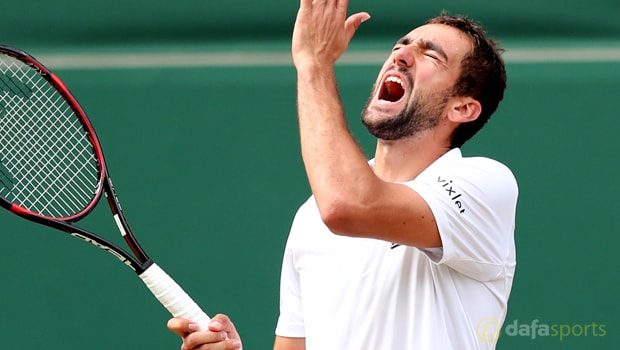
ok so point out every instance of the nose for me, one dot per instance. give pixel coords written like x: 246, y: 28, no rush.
x: 403, y: 57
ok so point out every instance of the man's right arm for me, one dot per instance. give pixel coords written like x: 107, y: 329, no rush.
x: 285, y: 343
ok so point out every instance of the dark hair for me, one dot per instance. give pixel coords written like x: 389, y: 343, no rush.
x: 483, y: 74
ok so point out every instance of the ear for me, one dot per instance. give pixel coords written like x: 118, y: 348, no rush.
x: 463, y: 109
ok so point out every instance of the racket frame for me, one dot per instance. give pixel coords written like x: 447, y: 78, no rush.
x: 138, y: 263
x: 163, y: 287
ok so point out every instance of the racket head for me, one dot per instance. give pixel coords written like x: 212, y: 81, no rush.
x: 51, y: 163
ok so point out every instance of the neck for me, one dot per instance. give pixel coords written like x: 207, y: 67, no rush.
x: 404, y: 159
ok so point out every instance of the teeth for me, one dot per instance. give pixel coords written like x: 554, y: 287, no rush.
x: 395, y: 80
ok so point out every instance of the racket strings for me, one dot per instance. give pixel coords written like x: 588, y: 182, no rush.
x: 48, y: 164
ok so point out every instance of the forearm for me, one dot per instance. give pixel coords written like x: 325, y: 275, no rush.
x: 337, y: 169
x: 335, y: 165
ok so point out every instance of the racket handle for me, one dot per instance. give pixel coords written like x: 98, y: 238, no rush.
x: 173, y: 297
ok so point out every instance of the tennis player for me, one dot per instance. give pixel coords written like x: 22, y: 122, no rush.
x: 413, y: 249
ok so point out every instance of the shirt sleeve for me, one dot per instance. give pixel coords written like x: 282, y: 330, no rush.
x: 474, y: 204
x: 291, y: 321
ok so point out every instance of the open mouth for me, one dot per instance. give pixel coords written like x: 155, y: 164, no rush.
x: 392, y: 90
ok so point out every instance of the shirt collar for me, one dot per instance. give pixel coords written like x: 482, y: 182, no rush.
x: 454, y: 153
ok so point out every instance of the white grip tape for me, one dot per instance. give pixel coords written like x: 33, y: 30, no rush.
x: 173, y: 297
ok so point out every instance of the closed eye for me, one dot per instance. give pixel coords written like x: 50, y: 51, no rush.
x: 433, y: 50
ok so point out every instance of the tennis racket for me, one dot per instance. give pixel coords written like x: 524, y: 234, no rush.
x: 52, y: 170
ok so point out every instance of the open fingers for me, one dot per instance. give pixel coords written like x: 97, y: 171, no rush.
x: 354, y: 22
x: 339, y: 4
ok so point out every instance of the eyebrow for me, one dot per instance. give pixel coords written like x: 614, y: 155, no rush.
x: 425, y: 44
x: 403, y: 41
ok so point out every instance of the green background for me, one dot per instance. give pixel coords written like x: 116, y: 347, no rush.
x: 206, y: 163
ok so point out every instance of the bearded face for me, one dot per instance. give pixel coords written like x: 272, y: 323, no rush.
x: 419, y: 112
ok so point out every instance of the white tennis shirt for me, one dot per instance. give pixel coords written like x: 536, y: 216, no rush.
x: 355, y: 293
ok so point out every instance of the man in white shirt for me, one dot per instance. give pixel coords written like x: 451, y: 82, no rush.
x: 415, y: 249
x: 341, y: 292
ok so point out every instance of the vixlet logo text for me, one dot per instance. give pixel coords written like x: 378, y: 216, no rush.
x: 455, y: 196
